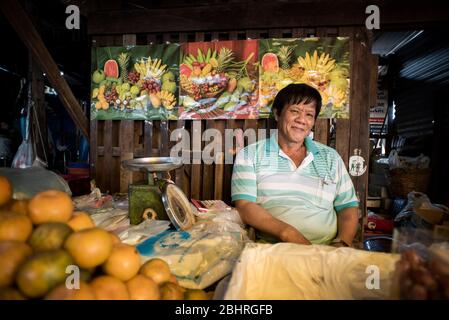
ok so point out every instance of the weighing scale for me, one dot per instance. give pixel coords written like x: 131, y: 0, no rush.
x: 160, y: 197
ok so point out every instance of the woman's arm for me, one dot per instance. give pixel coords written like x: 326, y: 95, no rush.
x: 257, y: 217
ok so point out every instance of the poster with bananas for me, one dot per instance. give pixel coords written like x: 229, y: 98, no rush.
x: 135, y: 83
x: 322, y: 63
x: 219, y: 80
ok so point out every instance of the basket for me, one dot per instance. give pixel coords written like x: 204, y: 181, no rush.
x: 404, y: 181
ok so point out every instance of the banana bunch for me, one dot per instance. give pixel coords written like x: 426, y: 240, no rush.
x: 152, y: 68
x: 323, y: 64
x: 167, y: 98
x: 210, y: 56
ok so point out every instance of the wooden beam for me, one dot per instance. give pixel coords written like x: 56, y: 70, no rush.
x: 20, y: 21
x: 260, y: 14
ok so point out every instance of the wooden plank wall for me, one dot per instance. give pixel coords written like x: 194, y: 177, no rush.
x: 115, y: 141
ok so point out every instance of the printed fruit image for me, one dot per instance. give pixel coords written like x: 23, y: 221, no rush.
x: 168, y: 76
x: 61, y: 292
x: 195, y: 294
x: 123, y: 262
x: 156, y: 269
x: 98, y: 76
x: 42, y: 272
x: 89, y: 247
x: 12, y: 255
x: 270, y: 62
x: 14, y: 226
x: 5, y: 191
x: 19, y: 206
x: 141, y: 287
x: 171, y: 291
x: 111, y: 69
x: 49, y: 236
x: 80, y: 221
x: 109, y: 288
x: 50, y: 206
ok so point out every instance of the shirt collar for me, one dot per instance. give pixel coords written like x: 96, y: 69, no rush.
x: 309, y: 143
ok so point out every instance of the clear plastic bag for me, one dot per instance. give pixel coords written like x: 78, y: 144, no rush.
x: 199, y: 256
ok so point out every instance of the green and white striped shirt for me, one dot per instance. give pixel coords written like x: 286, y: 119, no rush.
x: 307, y: 197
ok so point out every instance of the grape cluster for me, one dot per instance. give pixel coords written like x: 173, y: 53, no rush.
x: 151, y: 85
x: 133, y: 77
x: 111, y: 95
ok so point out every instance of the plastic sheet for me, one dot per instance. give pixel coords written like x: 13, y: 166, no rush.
x: 291, y: 271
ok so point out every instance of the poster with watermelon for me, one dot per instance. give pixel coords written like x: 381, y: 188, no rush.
x: 135, y: 82
x: 322, y: 63
x: 219, y: 80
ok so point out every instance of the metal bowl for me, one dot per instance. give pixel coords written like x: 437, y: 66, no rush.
x: 153, y: 164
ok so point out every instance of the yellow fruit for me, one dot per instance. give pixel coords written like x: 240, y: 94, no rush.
x: 123, y: 262
x: 5, y: 191
x: 115, y: 238
x: 89, y: 247
x: 14, y: 226
x: 61, y: 292
x: 156, y: 269
x: 12, y: 255
x: 7, y: 293
x: 80, y: 221
x: 50, y: 206
x: 171, y: 291
x: 109, y: 288
x: 195, y: 294
x: 42, y: 272
x: 98, y: 105
x: 49, y: 236
x: 155, y: 101
x: 143, y: 288
x: 19, y: 206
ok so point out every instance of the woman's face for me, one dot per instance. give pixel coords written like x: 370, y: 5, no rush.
x: 296, y: 121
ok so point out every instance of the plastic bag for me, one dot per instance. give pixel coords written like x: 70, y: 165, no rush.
x: 27, y: 182
x: 199, y: 256
x: 24, y: 156
x: 398, y: 162
x: 135, y: 234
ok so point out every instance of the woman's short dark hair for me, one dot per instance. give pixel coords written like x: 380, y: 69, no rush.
x: 296, y: 93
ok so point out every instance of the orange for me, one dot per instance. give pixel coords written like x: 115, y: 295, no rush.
x: 89, y: 247
x: 171, y: 291
x: 5, y: 191
x: 143, y: 288
x: 115, y: 238
x: 61, y: 292
x: 80, y: 221
x: 195, y: 294
x: 12, y: 254
x: 157, y: 269
x: 19, y: 206
x: 14, y: 226
x: 50, y: 206
x: 8, y: 293
x: 109, y: 288
x: 123, y: 263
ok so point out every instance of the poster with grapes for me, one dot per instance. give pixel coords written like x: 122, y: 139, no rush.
x: 322, y: 63
x: 134, y: 82
x: 219, y: 80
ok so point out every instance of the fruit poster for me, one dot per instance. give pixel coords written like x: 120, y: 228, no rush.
x: 136, y: 82
x: 219, y: 80
x: 322, y: 63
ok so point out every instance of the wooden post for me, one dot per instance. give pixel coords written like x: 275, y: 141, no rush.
x: 20, y: 21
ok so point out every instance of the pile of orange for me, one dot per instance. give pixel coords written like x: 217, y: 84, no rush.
x: 44, y: 245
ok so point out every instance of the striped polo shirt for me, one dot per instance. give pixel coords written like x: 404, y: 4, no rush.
x: 307, y: 197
